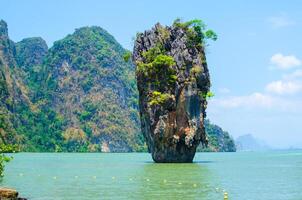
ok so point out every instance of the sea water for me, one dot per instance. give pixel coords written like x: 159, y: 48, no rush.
x: 270, y: 175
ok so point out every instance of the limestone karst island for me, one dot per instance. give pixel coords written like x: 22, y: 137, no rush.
x: 173, y: 83
x: 150, y: 100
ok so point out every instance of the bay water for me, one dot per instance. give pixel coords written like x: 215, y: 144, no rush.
x: 268, y: 175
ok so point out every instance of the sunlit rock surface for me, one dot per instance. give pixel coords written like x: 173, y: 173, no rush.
x: 171, y: 93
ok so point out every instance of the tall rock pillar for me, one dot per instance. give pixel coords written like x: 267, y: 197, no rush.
x: 173, y: 82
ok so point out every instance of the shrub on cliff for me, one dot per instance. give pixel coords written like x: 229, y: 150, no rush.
x: 158, y: 98
x: 197, y: 32
x: 4, y: 158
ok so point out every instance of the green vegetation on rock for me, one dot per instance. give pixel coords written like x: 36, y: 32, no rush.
x: 4, y: 158
x: 127, y: 56
x: 154, y: 65
x: 78, y: 96
x: 157, y: 68
x: 219, y: 140
x: 198, y: 26
x: 157, y: 98
x: 207, y: 95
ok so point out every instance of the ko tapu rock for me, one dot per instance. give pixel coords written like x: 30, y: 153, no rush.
x: 173, y: 82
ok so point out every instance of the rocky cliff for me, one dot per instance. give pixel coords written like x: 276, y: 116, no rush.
x: 94, y: 90
x: 11, y: 89
x: 79, y: 95
x: 173, y: 82
x: 219, y: 140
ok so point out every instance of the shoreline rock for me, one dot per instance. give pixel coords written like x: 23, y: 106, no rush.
x: 9, y: 194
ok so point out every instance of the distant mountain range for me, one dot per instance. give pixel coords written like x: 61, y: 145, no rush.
x: 249, y: 143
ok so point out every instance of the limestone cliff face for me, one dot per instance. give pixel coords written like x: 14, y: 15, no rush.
x: 12, y: 92
x: 31, y: 52
x: 79, y: 95
x: 173, y: 80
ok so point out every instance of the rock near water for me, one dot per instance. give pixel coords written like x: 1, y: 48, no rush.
x: 9, y: 194
x: 173, y: 80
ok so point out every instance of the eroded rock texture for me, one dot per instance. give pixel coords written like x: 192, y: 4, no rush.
x: 173, y: 81
x: 9, y: 194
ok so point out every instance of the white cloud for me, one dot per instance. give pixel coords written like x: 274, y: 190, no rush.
x: 281, y: 21
x: 293, y: 76
x: 285, y: 62
x: 284, y: 87
x: 256, y: 100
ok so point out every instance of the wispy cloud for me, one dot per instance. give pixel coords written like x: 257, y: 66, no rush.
x: 282, y: 87
x: 281, y: 21
x: 257, y: 100
x: 293, y: 76
x: 224, y: 90
x: 285, y: 61
x: 254, y: 100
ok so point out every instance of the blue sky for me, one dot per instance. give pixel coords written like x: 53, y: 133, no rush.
x: 255, y: 65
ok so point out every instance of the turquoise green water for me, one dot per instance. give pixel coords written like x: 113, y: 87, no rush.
x: 275, y: 175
